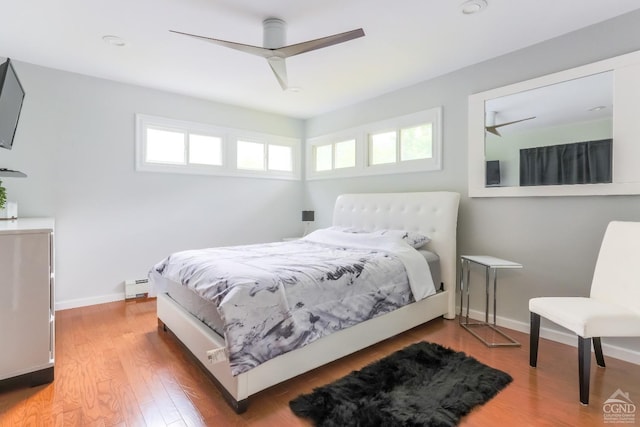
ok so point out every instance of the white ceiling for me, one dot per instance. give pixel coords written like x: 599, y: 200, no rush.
x: 406, y: 42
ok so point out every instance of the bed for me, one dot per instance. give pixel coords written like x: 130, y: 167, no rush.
x: 433, y: 214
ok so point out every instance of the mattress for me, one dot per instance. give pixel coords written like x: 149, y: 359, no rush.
x: 207, y: 312
x: 277, y: 297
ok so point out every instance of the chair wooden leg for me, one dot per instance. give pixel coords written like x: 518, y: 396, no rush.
x: 597, y: 348
x: 534, y: 337
x: 584, y: 367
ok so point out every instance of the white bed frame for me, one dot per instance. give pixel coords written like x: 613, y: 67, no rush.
x: 435, y: 214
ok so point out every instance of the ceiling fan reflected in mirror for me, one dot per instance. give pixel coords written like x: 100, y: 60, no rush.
x: 274, y: 49
x: 491, y: 127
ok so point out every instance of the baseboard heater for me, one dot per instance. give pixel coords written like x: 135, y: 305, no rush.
x: 136, y: 288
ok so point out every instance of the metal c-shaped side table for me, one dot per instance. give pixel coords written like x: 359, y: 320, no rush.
x: 491, y: 265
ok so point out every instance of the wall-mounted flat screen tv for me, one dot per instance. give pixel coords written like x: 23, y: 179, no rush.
x: 493, y: 173
x: 11, y: 97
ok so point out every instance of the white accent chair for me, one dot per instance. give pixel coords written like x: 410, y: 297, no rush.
x: 612, y: 309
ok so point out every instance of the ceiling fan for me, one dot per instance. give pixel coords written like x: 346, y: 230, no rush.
x: 274, y: 49
x: 494, y: 128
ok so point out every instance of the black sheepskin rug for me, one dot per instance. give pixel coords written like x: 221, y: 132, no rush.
x: 424, y: 384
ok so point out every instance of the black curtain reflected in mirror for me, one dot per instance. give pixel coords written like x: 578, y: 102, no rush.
x: 577, y: 163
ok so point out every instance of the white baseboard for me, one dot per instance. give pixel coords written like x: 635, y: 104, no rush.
x: 82, y: 302
x: 609, y: 350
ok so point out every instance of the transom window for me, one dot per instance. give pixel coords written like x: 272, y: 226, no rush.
x: 409, y: 143
x: 166, y: 145
x: 260, y: 156
x: 412, y: 143
x: 250, y: 155
x: 280, y: 158
x: 338, y: 155
x: 382, y: 148
x: 345, y: 154
x: 205, y: 150
x: 175, y: 147
x: 416, y: 142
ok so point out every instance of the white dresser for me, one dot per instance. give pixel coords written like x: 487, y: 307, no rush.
x: 27, y: 321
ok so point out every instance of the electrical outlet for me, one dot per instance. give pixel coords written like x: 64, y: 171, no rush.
x: 217, y: 355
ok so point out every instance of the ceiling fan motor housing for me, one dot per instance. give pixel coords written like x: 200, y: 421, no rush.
x: 274, y: 33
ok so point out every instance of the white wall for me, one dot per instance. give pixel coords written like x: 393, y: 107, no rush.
x: 555, y: 238
x: 75, y: 141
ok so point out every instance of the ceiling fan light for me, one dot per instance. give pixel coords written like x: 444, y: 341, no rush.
x: 471, y: 7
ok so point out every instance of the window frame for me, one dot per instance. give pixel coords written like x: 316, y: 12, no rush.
x: 229, y: 138
x: 361, y: 134
x: 332, y: 144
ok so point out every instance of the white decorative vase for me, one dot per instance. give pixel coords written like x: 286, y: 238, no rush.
x: 10, y: 211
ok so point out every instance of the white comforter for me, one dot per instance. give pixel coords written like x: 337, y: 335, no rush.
x: 418, y: 273
x: 276, y: 297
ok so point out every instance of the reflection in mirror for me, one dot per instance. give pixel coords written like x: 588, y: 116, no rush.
x: 552, y: 135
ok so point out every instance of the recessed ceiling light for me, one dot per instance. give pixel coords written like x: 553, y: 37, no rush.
x: 114, y: 41
x: 598, y: 108
x: 470, y: 7
x: 294, y: 89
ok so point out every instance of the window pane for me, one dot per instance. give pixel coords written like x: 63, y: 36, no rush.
x: 205, y: 150
x: 345, y: 154
x: 280, y: 158
x: 250, y: 155
x: 323, y: 157
x: 165, y: 146
x: 416, y: 142
x: 382, y: 148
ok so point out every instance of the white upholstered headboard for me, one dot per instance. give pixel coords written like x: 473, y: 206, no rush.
x: 434, y: 214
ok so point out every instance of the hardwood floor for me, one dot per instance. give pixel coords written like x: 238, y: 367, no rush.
x: 115, y: 368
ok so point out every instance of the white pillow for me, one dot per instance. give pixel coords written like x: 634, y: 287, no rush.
x: 413, y: 238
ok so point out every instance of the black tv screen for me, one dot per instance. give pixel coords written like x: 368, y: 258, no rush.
x: 492, y: 173
x: 11, y: 97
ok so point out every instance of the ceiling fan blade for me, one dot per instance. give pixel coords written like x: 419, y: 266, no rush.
x: 298, y: 48
x: 515, y: 121
x: 279, y: 68
x: 247, y: 48
x: 493, y: 130
x: 275, y: 56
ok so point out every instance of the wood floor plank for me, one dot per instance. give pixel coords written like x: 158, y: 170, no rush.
x: 190, y: 414
x: 152, y: 416
x: 109, y: 402
x: 13, y: 407
x: 126, y: 354
x: 115, y: 368
x: 129, y: 407
x: 43, y: 408
x: 91, y: 412
x: 73, y: 418
x: 67, y: 380
x: 165, y: 405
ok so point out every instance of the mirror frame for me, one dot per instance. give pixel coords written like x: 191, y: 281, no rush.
x: 626, y: 132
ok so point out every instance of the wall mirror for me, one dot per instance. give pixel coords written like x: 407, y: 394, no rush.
x: 568, y: 133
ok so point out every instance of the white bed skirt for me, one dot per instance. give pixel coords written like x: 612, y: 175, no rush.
x: 200, y: 339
